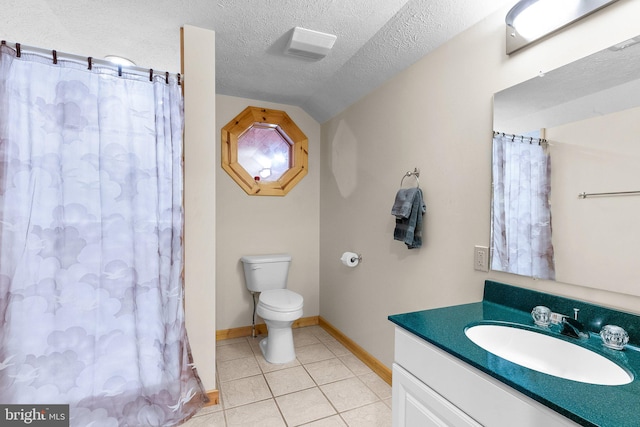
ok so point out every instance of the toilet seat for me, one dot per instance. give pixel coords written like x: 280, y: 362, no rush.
x: 281, y: 300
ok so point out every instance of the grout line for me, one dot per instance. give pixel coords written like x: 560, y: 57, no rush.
x: 304, y: 366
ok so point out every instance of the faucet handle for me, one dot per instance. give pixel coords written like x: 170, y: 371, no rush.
x: 541, y: 315
x: 575, y: 313
x: 614, y: 337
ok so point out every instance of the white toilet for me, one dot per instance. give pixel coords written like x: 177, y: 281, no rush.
x: 278, y: 306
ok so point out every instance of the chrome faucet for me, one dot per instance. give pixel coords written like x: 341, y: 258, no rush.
x: 573, y: 328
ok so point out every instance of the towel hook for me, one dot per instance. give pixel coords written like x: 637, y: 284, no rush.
x: 415, y: 173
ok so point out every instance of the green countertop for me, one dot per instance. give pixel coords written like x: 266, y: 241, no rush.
x: 586, y: 404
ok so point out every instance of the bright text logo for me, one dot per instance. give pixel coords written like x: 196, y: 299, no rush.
x: 34, y: 415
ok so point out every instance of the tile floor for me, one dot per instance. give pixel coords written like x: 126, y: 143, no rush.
x: 325, y: 386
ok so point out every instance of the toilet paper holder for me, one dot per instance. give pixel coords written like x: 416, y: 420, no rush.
x: 351, y: 259
x: 358, y: 257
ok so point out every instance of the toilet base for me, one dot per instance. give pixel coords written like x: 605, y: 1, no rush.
x: 278, y: 347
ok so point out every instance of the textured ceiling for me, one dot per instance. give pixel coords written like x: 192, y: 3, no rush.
x: 376, y: 39
x: 599, y: 84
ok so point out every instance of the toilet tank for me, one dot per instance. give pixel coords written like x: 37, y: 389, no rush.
x: 266, y: 272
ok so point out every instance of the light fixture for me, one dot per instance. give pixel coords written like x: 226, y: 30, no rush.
x: 310, y: 44
x: 530, y: 20
x: 119, y: 60
x: 543, y: 16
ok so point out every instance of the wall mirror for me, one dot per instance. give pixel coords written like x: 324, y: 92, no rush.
x: 589, y: 112
x: 264, y: 151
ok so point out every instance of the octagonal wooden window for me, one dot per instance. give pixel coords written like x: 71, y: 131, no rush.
x: 264, y: 151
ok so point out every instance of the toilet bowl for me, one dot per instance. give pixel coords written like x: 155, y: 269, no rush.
x: 277, y: 306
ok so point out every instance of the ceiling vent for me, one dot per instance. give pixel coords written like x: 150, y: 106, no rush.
x: 310, y: 44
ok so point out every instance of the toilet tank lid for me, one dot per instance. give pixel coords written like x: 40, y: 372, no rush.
x: 259, y: 259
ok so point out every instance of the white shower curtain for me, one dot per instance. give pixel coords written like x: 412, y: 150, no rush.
x: 91, y: 306
x: 521, y: 215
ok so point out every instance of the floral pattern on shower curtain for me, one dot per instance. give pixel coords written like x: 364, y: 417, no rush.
x: 521, y: 214
x: 91, y: 293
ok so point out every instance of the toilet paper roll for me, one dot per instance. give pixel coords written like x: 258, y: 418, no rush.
x: 350, y: 259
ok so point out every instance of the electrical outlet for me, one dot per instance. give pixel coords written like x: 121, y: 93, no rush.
x: 481, y: 258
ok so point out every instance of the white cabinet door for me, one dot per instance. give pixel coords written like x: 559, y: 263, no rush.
x: 416, y: 405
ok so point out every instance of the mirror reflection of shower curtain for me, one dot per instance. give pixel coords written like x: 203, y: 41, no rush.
x: 521, y: 215
x: 91, y: 295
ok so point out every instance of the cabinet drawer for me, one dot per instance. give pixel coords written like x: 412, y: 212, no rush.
x: 417, y: 405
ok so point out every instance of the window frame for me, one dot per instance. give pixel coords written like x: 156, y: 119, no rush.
x: 249, y: 117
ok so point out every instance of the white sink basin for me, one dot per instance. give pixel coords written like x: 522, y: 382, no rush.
x: 547, y: 354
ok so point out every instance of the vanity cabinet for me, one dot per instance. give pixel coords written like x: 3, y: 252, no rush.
x: 433, y: 388
x: 416, y: 404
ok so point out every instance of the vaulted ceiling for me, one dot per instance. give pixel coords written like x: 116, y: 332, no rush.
x: 376, y: 39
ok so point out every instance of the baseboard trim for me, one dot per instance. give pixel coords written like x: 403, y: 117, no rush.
x: 261, y: 328
x: 376, y: 366
x: 244, y: 331
x: 214, y: 397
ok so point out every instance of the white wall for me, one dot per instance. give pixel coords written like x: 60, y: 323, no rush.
x: 199, y: 206
x: 249, y: 225
x: 436, y: 116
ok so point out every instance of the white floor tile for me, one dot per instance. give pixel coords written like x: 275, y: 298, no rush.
x: 263, y: 414
x: 328, y: 371
x: 233, y: 351
x: 377, y: 385
x: 319, y: 332
x: 326, y: 386
x: 289, y: 380
x: 302, y: 337
x: 254, y: 343
x: 375, y: 415
x: 304, y: 406
x: 244, y: 391
x: 238, y: 368
x: 334, y: 421
x: 313, y: 353
x: 336, y: 348
x: 215, y: 419
x: 388, y: 402
x: 348, y: 394
x: 231, y: 341
x: 356, y: 365
x: 271, y: 367
x: 208, y: 410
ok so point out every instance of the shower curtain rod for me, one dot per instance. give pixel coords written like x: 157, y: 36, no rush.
x: 55, y: 56
x: 612, y: 193
x: 523, y: 138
